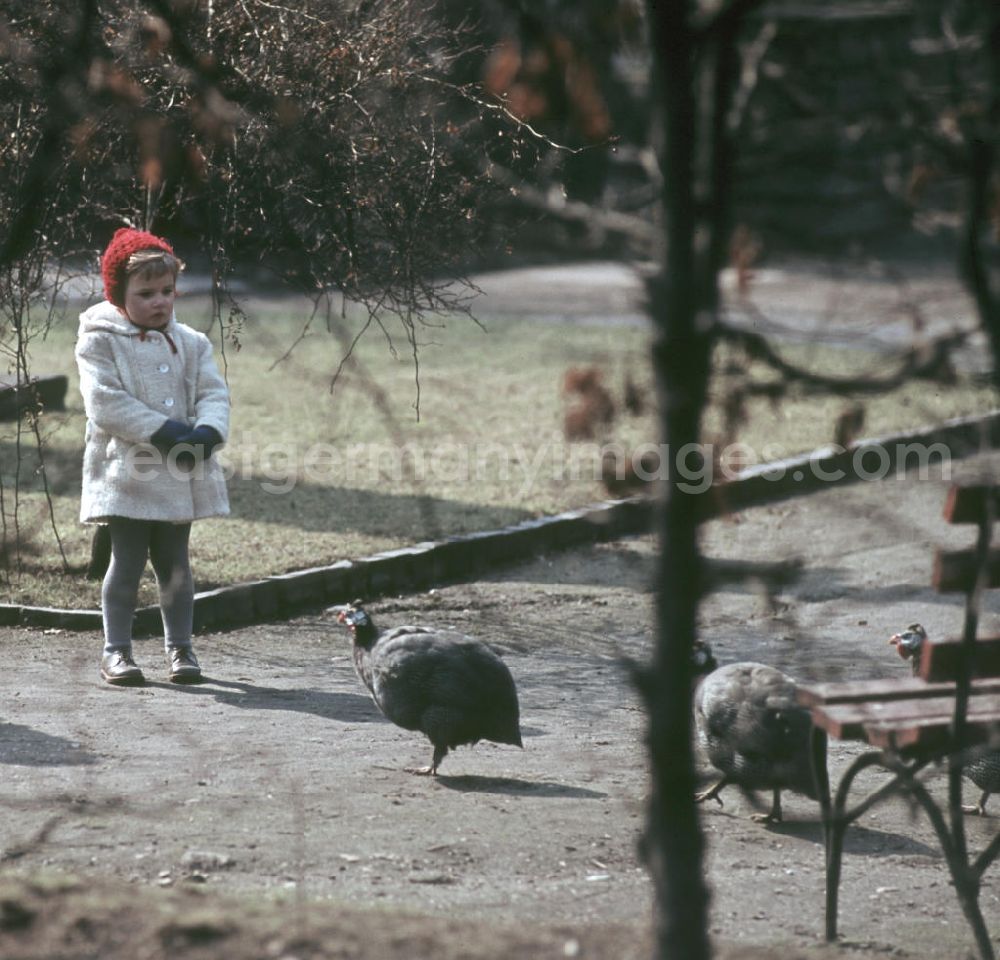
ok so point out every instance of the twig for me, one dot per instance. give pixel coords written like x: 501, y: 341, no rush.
x: 35, y: 843
x: 923, y: 361
x: 639, y: 230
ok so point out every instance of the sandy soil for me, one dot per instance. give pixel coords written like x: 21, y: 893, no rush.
x: 266, y: 812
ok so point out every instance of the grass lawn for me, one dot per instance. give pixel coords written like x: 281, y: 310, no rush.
x: 319, y: 475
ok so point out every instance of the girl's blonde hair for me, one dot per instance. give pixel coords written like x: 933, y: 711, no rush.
x: 147, y: 264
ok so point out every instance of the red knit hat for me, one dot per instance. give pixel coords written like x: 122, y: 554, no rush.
x: 124, y: 243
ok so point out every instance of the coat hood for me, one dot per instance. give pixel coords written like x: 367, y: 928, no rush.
x: 105, y: 316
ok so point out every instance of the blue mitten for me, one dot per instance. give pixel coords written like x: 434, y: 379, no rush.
x: 169, y: 434
x: 202, y: 441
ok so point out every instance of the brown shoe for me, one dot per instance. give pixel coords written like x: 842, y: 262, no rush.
x: 119, y: 668
x: 183, y: 665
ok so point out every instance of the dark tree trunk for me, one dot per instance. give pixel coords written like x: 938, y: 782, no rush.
x: 695, y: 74
x: 674, y: 843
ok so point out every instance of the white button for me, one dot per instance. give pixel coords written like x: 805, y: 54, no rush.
x: 164, y: 368
x: 169, y: 402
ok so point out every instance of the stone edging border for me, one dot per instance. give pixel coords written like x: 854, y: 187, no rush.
x: 465, y: 556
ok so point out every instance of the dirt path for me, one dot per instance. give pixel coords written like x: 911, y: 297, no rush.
x: 279, y: 784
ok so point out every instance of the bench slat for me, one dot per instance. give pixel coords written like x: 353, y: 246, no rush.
x: 905, y: 688
x: 49, y: 391
x: 955, y: 570
x: 848, y: 721
x: 966, y: 504
x: 927, y: 734
x: 939, y: 659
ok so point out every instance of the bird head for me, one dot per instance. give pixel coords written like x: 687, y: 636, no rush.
x: 909, y: 642
x: 357, y: 622
x: 702, y: 659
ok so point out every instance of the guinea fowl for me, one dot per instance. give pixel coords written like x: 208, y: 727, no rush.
x: 752, y: 730
x: 450, y: 687
x: 983, y: 770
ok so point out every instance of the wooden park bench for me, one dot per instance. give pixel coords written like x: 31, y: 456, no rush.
x: 48, y: 391
x: 950, y: 709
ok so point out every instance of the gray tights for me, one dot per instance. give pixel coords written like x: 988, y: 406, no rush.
x: 166, y: 545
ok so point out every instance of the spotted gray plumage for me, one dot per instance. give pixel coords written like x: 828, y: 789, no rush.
x: 983, y: 769
x: 984, y: 772
x: 753, y: 732
x: 450, y: 687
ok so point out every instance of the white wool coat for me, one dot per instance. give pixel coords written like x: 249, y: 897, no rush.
x: 132, y: 383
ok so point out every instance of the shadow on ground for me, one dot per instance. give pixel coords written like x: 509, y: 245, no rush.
x: 343, y: 707
x: 25, y: 746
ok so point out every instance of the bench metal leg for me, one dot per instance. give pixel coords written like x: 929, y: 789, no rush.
x: 821, y: 779
x: 964, y: 878
x: 836, y: 821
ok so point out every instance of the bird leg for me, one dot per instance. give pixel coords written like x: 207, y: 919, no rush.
x: 979, y: 809
x: 774, y: 816
x: 439, y: 755
x: 712, y: 793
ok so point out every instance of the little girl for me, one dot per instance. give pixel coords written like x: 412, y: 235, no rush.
x: 157, y: 408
